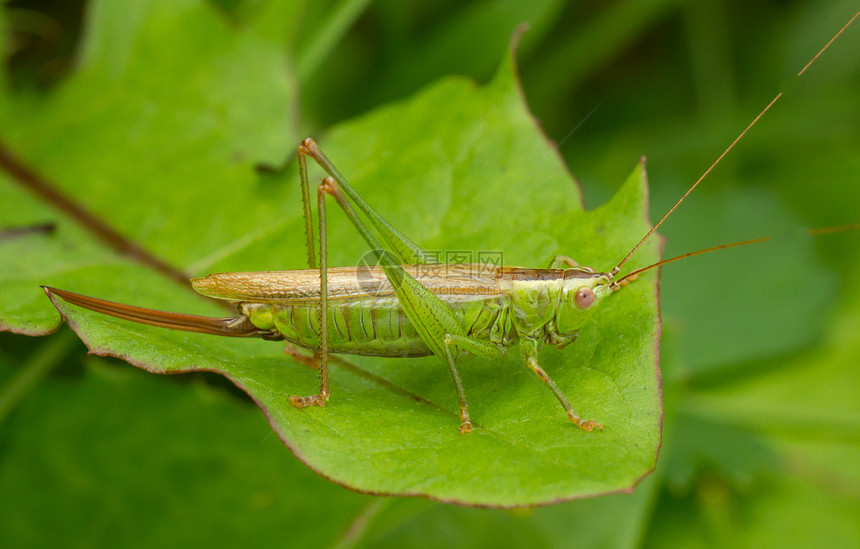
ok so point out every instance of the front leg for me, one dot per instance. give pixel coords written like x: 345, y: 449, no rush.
x: 562, y: 262
x: 565, y: 262
x: 529, y: 348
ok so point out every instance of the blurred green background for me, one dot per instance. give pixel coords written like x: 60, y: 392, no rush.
x: 760, y: 349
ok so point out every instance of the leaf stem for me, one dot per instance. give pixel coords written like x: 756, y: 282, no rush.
x: 359, y: 526
x: 342, y: 17
x: 40, y: 363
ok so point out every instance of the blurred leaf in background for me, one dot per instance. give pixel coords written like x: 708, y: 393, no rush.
x: 759, y: 355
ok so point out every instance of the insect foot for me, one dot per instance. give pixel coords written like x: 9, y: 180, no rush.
x: 304, y: 402
x: 585, y: 425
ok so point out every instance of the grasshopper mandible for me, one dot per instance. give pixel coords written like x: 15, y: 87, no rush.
x: 405, y: 305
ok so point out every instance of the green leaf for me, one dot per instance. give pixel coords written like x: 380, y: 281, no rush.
x: 783, y: 512
x: 456, y: 168
x: 612, y: 521
x: 767, y: 454
x: 760, y: 383
x: 432, y: 40
x: 150, y: 155
x: 140, y: 479
x: 726, y: 285
x: 805, y: 407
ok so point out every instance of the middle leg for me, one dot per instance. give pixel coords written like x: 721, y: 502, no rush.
x: 483, y: 349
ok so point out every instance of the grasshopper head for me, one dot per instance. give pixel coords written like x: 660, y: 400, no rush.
x: 582, y: 291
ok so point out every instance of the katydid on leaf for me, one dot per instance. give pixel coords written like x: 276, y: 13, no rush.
x: 406, y: 304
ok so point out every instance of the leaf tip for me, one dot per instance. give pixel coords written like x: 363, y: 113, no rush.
x: 506, y: 75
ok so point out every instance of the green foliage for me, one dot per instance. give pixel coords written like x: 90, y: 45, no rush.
x: 165, y: 98
x: 464, y: 149
x: 135, y: 475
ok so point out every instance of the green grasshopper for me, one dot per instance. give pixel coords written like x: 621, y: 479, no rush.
x: 405, y: 305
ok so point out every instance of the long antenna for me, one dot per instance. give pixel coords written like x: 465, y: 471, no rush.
x: 814, y: 232
x: 617, y: 268
x: 632, y: 275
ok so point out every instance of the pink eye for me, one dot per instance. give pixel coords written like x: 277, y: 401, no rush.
x: 584, y: 298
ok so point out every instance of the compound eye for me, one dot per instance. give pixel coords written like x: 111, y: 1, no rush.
x: 584, y: 298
